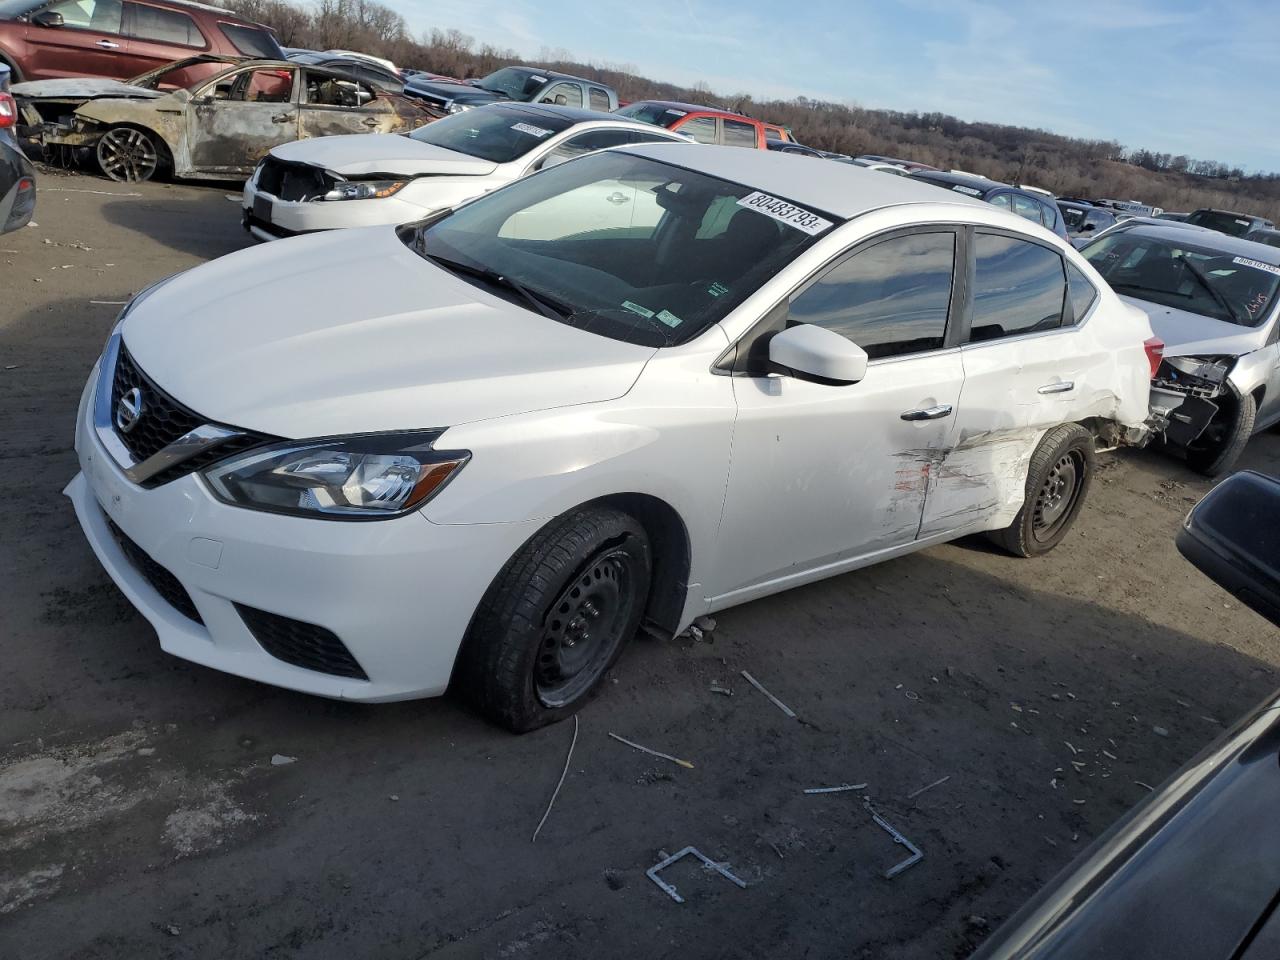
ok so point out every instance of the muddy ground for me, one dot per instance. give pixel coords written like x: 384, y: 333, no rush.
x: 141, y: 814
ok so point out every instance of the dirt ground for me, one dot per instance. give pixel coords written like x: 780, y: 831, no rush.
x: 141, y: 814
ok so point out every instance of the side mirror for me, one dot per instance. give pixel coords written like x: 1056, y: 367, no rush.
x: 816, y: 353
x: 1231, y: 537
x: 48, y: 18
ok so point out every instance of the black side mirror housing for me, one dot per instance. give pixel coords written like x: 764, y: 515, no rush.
x: 48, y: 18
x: 1232, y: 536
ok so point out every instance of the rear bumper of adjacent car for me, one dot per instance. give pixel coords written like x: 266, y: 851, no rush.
x: 369, y: 611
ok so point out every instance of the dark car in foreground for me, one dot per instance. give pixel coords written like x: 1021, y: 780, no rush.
x: 1192, y: 872
x: 1268, y: 235
x: 17, y: 178
x: 1038, y: 208
x: 523, y: 84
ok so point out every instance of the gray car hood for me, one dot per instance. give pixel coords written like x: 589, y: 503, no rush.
x: 81, y: 88
x: 366, y: 154
x: 1192, y: 334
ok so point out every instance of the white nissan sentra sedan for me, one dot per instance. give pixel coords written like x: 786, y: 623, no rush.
x: 362, y: 180
x: 490, y: 446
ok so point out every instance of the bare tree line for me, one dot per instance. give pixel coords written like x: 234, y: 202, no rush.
x: 1068, y: 166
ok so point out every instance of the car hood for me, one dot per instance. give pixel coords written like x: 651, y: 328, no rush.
x: 365, y: 154
x: 349, y: 331
x: 445, y: 91
x: 81, y: 88
x: 1193, y: 334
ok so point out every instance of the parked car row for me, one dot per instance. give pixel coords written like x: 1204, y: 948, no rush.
x: 17, y: 178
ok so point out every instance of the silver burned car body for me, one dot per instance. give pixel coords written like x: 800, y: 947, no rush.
x: 1215, y: 302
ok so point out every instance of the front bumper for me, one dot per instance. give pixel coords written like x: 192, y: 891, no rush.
x: 269, y: 218
x: 398, y: 593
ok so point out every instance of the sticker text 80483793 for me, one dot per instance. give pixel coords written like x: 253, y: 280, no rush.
x: 784, y: 212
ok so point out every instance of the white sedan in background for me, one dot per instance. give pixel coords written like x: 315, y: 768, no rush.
x: 490, y: 446
x: 327, y: 183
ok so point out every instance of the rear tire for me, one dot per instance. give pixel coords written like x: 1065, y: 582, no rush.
x: 1216, y: 450
x: 1057, y: 484
x: 556, y: 619
x: 15, y: 75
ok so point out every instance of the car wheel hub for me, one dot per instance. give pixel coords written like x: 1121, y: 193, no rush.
x: 1057, y: 495
x: 582, y: 631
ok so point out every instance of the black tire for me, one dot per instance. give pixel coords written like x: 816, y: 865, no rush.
x: 15, y: 75
x: 1057, y: 484
x: 556, y: 619
x: 1216, y: 450
x: 130, y: 154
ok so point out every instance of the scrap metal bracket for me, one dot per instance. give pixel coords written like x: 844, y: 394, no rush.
x: 916, y: 853
x: 670, y: 889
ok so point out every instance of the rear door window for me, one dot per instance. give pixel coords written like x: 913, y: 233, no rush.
x: 1019, y: 287
x: 1000, y: 200
x: 599, y: 99
x: 160, y: 25
x: 1026, y: 208
x: 739, y: 134
x: 702, y: 129
x: 890, y: 299
x: 1047, y: 216
x: 1081, y: 292
x: 774, y: 133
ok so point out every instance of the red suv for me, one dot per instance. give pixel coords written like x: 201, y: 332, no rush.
x: 40, y: 40
x: 706, y: 124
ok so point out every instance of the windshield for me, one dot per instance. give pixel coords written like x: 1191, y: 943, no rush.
x: 624, y: 246
x: 494, y: 133
x: 1233, y: 225
x: 514, y: 83
x: 1188, y: 277
x: 655, y: 113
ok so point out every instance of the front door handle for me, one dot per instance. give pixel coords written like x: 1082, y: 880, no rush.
x: 108, y: 45
x: 617, y: 197
x: 1062, y: 386
x: 282, y: 118
x: 929, y: 413
x: 371, y: 121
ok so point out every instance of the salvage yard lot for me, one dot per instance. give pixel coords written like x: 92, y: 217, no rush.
x: 141, y: 812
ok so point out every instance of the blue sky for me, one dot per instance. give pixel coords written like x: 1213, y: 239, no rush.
x: 1185, y: 77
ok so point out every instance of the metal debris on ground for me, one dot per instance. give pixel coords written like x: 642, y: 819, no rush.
x: 776, y: 702
x: 670, y: 888
x: 109, y: 303
x: 936, y: 783
x: 1144, y: 786
x: 563, y: 773
x: 280, y: 760
x: 705, y: 623
x: 653, y: 753
x: 1073, y: 750
x: 1160, y: 731
x: 716, y: 688
x: 840, y: 789
x: 916, y: 853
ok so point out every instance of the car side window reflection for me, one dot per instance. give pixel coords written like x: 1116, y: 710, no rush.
x: 702, y: 129
x: 1019, y: 287
x: 891, y: 298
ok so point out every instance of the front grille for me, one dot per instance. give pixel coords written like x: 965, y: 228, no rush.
x: 162, y: 581
x: 301, y: 644
x: 293, y: 181
x: 163, y: 419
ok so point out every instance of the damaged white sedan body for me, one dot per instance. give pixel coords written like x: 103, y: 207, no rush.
x: 1213, y: 300
x: 520, y: 436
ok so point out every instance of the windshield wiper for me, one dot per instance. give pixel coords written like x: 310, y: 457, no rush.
x: 546, y: 305
x: 1218, y: 297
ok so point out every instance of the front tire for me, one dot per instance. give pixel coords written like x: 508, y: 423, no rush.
x: 556, y: 619
x: 1057, y: 484
x: 128, y: 155
x: 1216, y: 450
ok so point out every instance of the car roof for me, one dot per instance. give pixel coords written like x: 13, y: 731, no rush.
x: 555, y: 74
x: 699, y: 108
x: 841, y: 189
x: 572, y: 114
x: 962, y: 180
x: 1173, y: 231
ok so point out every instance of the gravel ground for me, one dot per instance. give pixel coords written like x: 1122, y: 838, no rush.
x: 142, y: 813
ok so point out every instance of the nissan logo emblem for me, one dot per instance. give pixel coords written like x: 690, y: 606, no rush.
x: 129, y: 410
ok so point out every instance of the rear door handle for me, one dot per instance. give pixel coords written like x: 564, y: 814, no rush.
x: 370, y: 121
x: 1063, y: 386
x: 929, y: 413
x: 282, y: 118
x: 108, y: 45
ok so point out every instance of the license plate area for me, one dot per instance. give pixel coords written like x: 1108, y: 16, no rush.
x: 262, y: 209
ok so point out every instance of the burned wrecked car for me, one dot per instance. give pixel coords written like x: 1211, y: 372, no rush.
x: 1213, y: 300
x: 205, y: 117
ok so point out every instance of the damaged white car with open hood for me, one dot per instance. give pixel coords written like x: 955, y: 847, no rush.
x: 490, y: 447
x: 1212, y: 299
x: 360, y: 181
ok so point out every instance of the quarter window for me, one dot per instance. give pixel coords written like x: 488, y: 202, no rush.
x: 1048, y: 217
x: 702, y: 129
x: 1081, y: 291
x: 890, y: 299
x: 586, y: 143
x: 599, y: 99
x: 1019, y: 287
x: 1026, y: 208
x: 102, y: 16
x: 164, y: 26
x: 1000, y: 200
x: 564, y: 95
x: 739, y: 134
x: 773, y: 133
x: 252, y: 42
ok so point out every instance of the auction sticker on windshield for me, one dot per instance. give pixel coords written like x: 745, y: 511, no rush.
x: 530, y: 129
x: 1257, y: 265
x: 785, y: 212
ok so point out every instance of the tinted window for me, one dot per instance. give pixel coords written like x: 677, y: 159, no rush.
x: 1081, y: 291
x: 773, y: 133
x: 1018, y: 287
x: 164, y: 26
x: 1000, y: 200
x: 1047, y: 216
x: 252, y: 42
x: 889, y: 299
x: 586, y: 143
x: 495, y: 133
x: 563, y: 95
x: 599, y: 99
x: 1026, y: 208
x: 655, y: 113
x: 702, y: 129
x: 1228, y: 223
x: 738, y: 134
x: 100, y: 15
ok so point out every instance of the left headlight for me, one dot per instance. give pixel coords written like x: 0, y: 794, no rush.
x: 366, y: 477
x: 366, y: 189
x: 455, y: 107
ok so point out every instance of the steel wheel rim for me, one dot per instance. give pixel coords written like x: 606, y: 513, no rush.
x: 127, y: 155
x: 583, y: 629
x: 1056, y: 499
